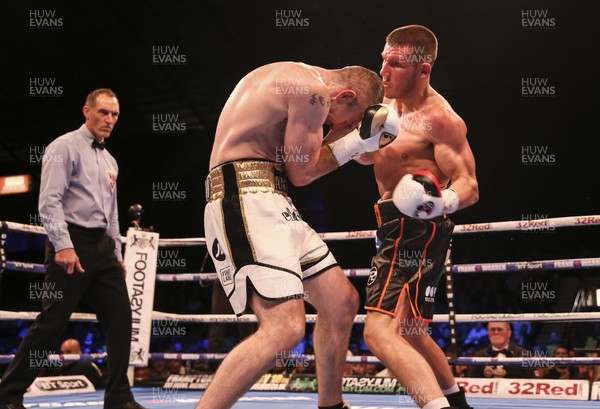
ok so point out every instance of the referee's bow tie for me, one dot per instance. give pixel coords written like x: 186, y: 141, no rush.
x: 98, y: 145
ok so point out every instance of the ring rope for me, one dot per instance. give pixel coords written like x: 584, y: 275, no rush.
x: 312, y: 318
x: 369, y: 359
x: 561, y: 264
x: 533, y: 361
x: 520, y: 225
x: 40, y: 268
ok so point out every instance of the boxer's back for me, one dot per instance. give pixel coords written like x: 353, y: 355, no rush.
x: 252, y: 123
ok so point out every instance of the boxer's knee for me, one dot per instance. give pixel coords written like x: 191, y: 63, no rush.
x: 416, y: 332
x: 284, y: 324
x: 374, y: 333
x: 348, y: 307
x: 344, y: 307
x: 290, y: 334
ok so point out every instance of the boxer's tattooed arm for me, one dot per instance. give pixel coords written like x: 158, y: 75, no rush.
x: 321, y: 100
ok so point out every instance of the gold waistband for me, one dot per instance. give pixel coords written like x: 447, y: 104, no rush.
x: 251, y: 176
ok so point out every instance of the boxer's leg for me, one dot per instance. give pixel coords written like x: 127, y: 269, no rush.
x: 412, y: 370
x: 336, y: 301
x: 219, y: 305
x: 281, y: 328
x: 415, y: 332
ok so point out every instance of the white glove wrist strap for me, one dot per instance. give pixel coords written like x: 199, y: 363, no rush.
x: 347, y: 148
x: 450, y: 199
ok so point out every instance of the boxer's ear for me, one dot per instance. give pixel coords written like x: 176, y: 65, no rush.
x: 346, y: 96
x: 424, y: 70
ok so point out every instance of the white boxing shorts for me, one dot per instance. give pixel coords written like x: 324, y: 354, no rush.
x: 256, y: 237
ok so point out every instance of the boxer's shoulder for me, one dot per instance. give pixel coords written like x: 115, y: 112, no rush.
x: 444, y: 124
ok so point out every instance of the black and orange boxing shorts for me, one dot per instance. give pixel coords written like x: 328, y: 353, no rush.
x: 411, y: 254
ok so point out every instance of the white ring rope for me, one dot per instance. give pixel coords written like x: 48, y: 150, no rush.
x: 541, y: 265
x: 26, y: 228
x: 520, y: 225
x: 532, y: 361
x: 175, y: 319
x: 354, y: 272
x: 529, y: 361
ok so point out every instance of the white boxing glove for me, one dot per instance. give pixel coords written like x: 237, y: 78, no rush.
x: 419, y: 196
x: 379, y: 127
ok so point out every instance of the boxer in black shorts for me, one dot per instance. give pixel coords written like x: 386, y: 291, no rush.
x: 411, y: 253
x: 413, y: 175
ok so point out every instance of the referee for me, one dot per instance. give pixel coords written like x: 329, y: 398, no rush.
x: 78, y: 206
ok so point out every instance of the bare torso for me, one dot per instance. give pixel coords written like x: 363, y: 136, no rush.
x: 413, y: 149
x: 254, y: 118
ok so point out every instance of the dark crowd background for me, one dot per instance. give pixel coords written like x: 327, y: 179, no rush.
x: 487, y: 54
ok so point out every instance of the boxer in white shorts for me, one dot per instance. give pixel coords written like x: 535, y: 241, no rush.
x: 267, y: 258
x: 259, y: 240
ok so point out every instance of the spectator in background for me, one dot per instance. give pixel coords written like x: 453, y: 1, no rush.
x: 560, y: 371
x: 589, y: 372
x: 553, y: 343
x: 176, y: 367
x: 88, y: 342
x: 500, y: 346
x: 522, y: 333
x: 141, y: 374
x: 593, y: 340
x: 459, y: 371
x: 366, y: 369
x: 88, y: 369
x: 348, y: 368
x: 159, y: 370
x: 361, y: 369
x: 303, y: 367
x: 441, y: 343
x: 476, y: 335
x: 441, y: 335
